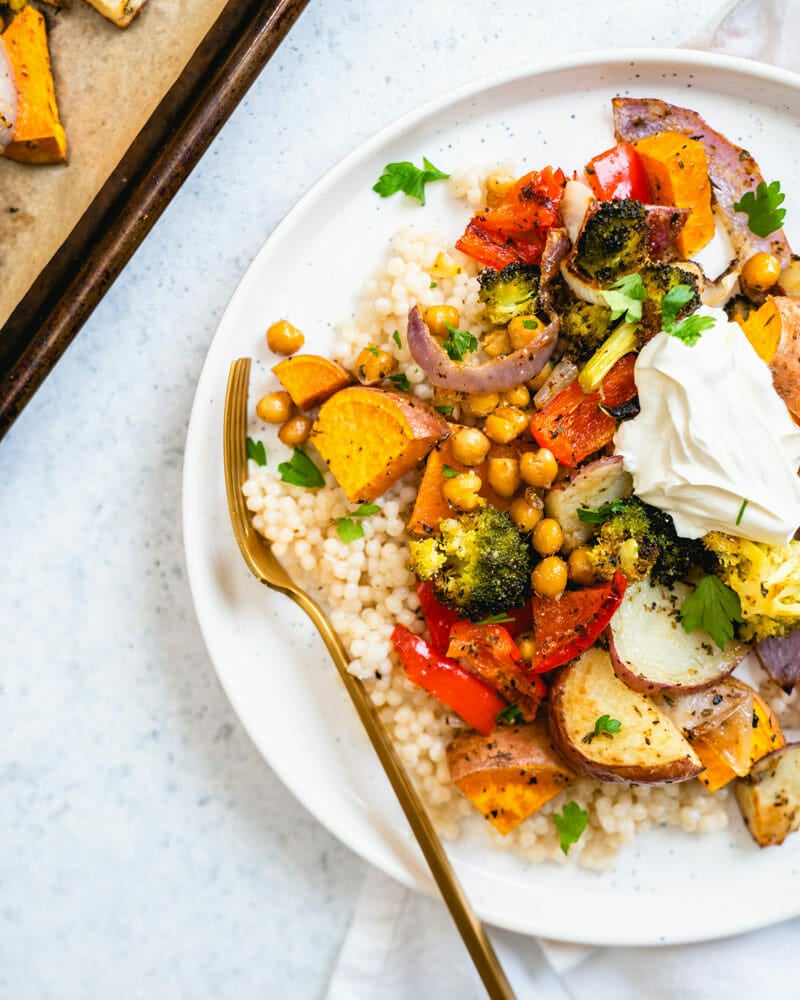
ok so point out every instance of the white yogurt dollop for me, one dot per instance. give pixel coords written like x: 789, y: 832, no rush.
x: 713, y: 433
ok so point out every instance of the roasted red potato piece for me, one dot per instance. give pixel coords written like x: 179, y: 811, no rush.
x: 510, y: 775
x: 647, y: 748
x: 769, y: 797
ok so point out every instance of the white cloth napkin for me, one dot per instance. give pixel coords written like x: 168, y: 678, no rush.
x: 403, y: 946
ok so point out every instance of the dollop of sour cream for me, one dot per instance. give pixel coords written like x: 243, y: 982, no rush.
x: 713, y: 444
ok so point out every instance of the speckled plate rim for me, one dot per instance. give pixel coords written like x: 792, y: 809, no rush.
x: 357, y: 807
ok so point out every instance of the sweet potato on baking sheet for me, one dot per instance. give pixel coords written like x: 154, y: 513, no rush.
x: 39, y: 136
x: 510, y: 774
x: 371, y: 437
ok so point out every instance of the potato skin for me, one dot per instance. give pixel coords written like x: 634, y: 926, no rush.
x: 649, y: 750
x: 785, y: 363
x: 769, y: 797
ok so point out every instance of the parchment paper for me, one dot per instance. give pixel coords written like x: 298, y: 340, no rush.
x: 108, y: 82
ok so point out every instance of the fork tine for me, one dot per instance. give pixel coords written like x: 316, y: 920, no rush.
x: 235, y: 440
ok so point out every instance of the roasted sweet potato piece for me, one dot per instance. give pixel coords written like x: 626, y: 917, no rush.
x: 647, y: 749
x: 310, y: 379
x: 38, y: 134
x: 430, y: 506
x: 509, y: 775
x: 774, y: 331
x: 677, y: 170
x: 371, y: 437
x: 769, y: 797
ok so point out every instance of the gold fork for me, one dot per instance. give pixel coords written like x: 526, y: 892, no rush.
x: 267, y: 569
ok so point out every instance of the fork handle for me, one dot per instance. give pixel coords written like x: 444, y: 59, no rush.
x: 469, y: 926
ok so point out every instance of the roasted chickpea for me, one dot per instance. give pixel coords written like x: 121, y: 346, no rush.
x: 480, y: 404
x: 518, y: 396
x: 496, y: 342
x: 503, y: 476
x: 522, y: 330
x: 524, y: 513
x: 526, y: 644
x: 373, y: 365
x: 580, y: 568
x: 761, y: 272
x: 437, y: 317
x: 548, y: 536
x: 539, y: 380
x: 538, y: 468
x: 283, y: 338
x: 497, y: 187
x: 461, y: 491
x: 275, y: 407
x: 549, y: 577
x: 470, y: 446
x: 295, y: 431
x: 505, y: 424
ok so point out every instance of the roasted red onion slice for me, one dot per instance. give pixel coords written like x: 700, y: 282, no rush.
x: 496, y: 375
x: 8, y: 98
x: 732, y: 170
x: 556, y: 248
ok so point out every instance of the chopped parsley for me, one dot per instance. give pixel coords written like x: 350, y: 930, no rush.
x: 689, y: 330
x: 301, y: 471
x: 511, y: 714
x: 605, y: 724
x: 712, y: 606
x: 672, y: 302
x: 497, y: 619
x: 433, y: 285
x: 350, y: 530
x: 256, y: 451
x: 570, y: 823
x: 531, y: 324
x: 764, y: 215
x: 373, y: 350
x: 405, y: 177
x: 601, y: 514
x: 459, y: 343
x: 449, y: 472
x: 625, y: 298
x: 396, y: 339
x: 400, y: 381
x: 446, y: 410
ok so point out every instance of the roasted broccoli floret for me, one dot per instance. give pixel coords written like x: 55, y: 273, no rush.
x: 613, y: 241
x: 640, y: 541
x: 510, y: 292
x: 766, y: 578
x: 585, y: 325
x: 479, y: 563
x: 658, y: 280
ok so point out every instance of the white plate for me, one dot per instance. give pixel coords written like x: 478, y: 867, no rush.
x: 670, y: 887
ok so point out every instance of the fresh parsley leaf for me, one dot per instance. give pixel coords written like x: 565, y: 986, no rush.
x: 764, y: 215
x: 742, y: 509
x: 712, y: 606
x: 433, y: 285
x: 449, y: 472
x: 672, y: 302
x: 301, y: 471
x: 400, y: 381
x: 605, y: 724
x: 531, y: 324
x: 446, y: 410
x: 256, y: 451
x: 348, y: 529
x: 690, y: 329
x: 511, y: 714
x: 396, y: 339
x: 602, y: 513
x: 366, y: 510
x: 405, y: 177
x: 570, y: 823
x: 497, y: 619
x: 373, y: 350
x: 459, y: 343
x: 625, y: 297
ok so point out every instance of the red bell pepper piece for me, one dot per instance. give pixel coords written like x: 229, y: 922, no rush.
x: 565, y: 627
x: 618, y: 173
x: 619, y: 385
x: 573, y: 425
x: 491, y: 653
x: 463, y: 692
x: 438, y: 618
x: 516, y: 229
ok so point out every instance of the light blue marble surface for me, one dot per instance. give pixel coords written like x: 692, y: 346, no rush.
x: 146, y: 850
